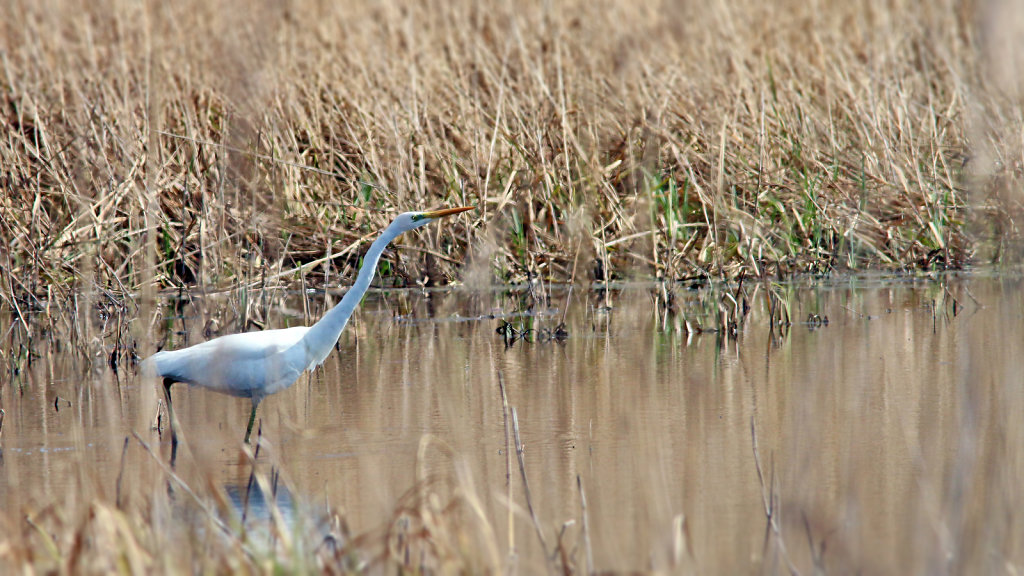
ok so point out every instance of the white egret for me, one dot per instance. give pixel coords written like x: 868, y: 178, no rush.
x: 257, y: 364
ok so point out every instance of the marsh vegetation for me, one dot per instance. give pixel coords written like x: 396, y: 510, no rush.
x: 153, y: 145
x: 170, y: 172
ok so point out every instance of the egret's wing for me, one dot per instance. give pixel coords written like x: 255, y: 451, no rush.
x: 238, y: 364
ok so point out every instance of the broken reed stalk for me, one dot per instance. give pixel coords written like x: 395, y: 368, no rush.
x: 680, y: 539
x: 120, y: 475
x: 12, y: 299
x: 508, y: 464
x: 771, y: 502
x: 765, y: 497
x: 562, y: 551
x: 526, y: 483
x: 586, y: 527
x: 572, y: 282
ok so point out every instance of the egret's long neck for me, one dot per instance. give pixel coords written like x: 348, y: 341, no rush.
x: 324, y: 334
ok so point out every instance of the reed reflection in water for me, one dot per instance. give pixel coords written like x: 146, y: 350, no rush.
x: 888, y: 439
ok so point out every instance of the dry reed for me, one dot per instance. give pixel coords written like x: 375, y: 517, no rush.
x: 189, y: 144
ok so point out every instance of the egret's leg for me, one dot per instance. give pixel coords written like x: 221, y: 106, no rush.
x: 170, y: 418
x: 252, y: 418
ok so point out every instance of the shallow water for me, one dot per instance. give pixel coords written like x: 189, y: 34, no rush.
x: 889, y: 439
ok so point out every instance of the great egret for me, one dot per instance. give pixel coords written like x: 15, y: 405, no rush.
x: 257, y: 364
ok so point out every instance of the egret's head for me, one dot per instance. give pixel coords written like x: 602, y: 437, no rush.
x: 411, y: 220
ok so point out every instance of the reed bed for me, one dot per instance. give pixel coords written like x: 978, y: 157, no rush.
x: 183, y: 145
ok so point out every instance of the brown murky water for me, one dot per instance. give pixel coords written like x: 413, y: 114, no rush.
x: 889, y: 440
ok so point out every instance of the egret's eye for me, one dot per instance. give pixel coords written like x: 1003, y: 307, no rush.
x: 417, y: 217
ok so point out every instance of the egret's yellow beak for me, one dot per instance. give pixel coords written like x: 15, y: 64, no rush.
x: 447, y: 211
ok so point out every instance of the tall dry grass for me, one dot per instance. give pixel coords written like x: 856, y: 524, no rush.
x: 190, y: 143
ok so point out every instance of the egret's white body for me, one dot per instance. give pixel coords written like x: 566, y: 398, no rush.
x: 257, y: 364
x: 248, y: 365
